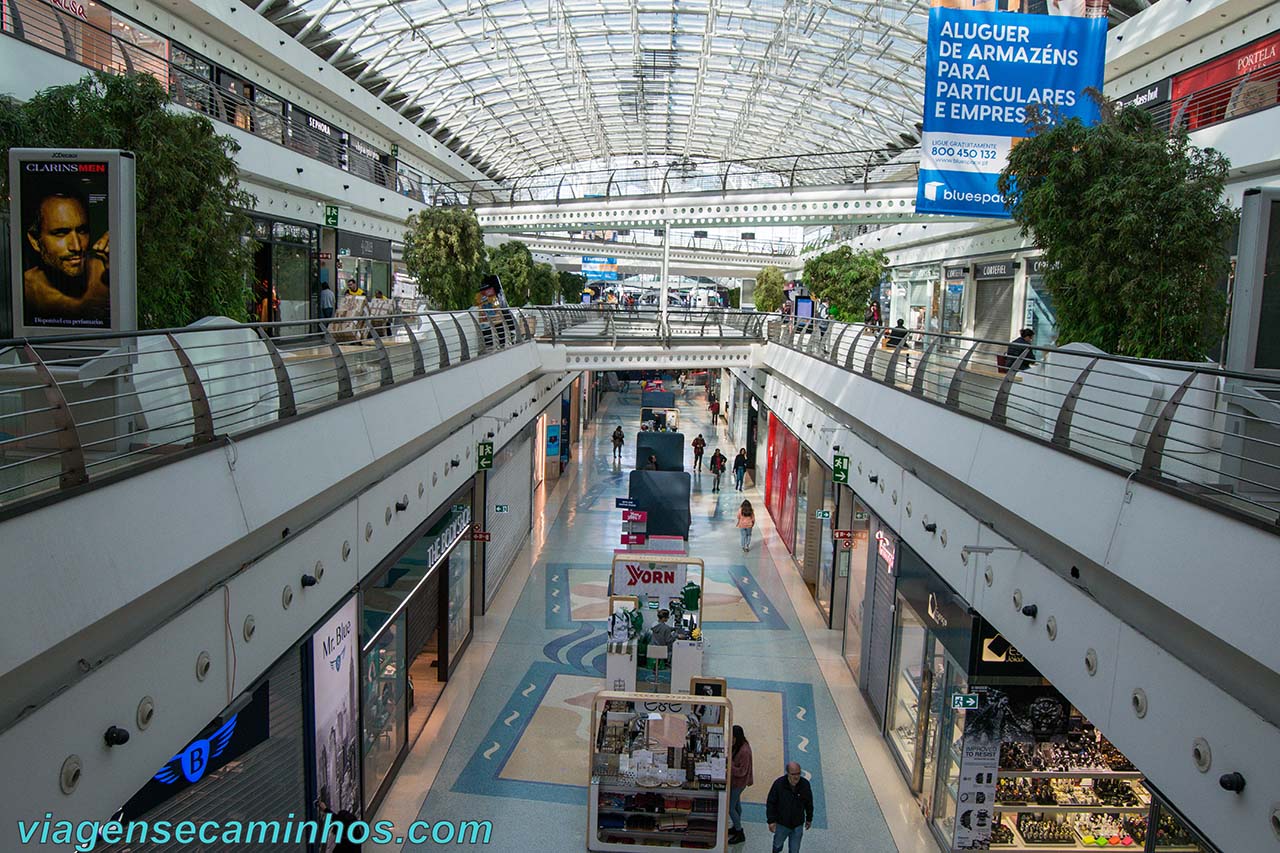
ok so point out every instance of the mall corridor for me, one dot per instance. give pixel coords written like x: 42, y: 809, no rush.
x: 508, y: 743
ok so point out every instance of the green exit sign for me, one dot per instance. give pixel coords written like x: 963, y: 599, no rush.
x: 502, y: 508
x: 840, y: 469
x: 484, y: 455
x: 822, y: 513
x: 964, y: 701
x: 331, y: 215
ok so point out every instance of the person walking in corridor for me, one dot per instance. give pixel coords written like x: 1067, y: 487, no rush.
x: 739, y: 468
x: 716, y: 465
x: 746, y: 521
x: 740, y: 779
x: 789, y: 809
x: 617, y: 443
x: 699, y: 445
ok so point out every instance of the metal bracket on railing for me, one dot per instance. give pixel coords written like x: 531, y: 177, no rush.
x: 340, y: 366
x: 284, y: 387
x: 462, y: 338
x: 201, y: 416
x: 871, y: 354
x: 419, y: 363
x: 1155, y: 441
x: 853, y: 349
x: 835, y: 350
x: 1062, y: 426
x: 480, y: 331
x: 441, y: 344
x: 72, y: 453
x: 953, y: 390
x: 892, y: 369
x: 999, y: 409
x: 384, y: 357
x: 917, y: 381
x: 548, y: 323
x: 514, y: 325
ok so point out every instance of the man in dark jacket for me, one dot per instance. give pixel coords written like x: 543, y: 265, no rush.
x: 1021, y: 346
x: 789, y: 809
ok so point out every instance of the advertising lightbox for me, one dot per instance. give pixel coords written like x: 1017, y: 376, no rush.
x: 72, y: 229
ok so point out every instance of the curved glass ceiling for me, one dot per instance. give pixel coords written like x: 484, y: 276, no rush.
x: 519, y: 86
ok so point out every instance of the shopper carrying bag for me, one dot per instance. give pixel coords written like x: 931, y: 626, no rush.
x: 740, y: 779
x: 746, y: 521
x: 717, y: 468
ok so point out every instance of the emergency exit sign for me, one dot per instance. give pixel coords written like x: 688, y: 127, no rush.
x: 840, y: 469
x: 484, y: 455
x: 331, y: 215
x: 822, y: 513
x: 964, y: 701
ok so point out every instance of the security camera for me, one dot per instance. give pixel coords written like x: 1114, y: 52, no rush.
x: 115, y: 736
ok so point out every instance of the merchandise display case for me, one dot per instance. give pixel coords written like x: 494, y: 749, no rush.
x: 1079, y: 795
x: 659, y: 772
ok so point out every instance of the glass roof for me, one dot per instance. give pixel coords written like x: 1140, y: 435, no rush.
x: 521, y: 86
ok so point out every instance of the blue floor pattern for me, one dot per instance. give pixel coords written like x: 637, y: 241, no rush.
x: 540, y: 645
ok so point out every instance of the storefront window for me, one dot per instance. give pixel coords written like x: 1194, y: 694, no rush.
x: 857, y: 557
x: 909, y: 657
x: 826, y: 550
x: 384, y: 706
x: 401, y: 622
x: 459, y: 600
x: 803, y: 521
x: 1040, y: 317
x: 949, y: 744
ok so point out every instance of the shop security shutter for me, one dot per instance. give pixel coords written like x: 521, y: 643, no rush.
x: 267, y: 783
x: 992, y: 308
x: 880, y: 643
x: 510, y: 483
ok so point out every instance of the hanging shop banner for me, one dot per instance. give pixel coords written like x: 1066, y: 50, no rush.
x: 72, y: 220
x: 979, y: 765
x: 334, y: 658
x: 983, y: 70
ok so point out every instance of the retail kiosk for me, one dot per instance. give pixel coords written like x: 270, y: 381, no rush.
x: 656, y: 581
x: 659, y: 772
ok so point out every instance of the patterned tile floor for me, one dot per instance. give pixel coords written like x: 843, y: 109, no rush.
x: 509, y: 741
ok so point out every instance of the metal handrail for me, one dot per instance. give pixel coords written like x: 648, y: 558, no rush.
x: 104, y: 402
x: 1208, y: 433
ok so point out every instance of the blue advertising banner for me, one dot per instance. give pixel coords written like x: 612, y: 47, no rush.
x: 983, y: 69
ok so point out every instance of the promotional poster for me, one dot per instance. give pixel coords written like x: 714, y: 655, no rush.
x: 983, y: 69
x: 979, y: 765
x: 334, y: 659
x: 72, y: 228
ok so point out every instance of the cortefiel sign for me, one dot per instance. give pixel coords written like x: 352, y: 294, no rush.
x: 983, y: 70
x: 72, y: 226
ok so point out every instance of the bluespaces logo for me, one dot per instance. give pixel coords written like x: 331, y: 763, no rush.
x: 931, y: 190
x: 194, y: 761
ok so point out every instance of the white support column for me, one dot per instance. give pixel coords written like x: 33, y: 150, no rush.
x: 663, y: 283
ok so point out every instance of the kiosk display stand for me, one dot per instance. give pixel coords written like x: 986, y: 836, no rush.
x: 659, y: 772
x: 665, y: 581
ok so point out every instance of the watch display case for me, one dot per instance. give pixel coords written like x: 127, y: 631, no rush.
x: 659, y: 772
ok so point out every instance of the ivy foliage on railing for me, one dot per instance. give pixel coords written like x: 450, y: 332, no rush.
x: 194, y: 256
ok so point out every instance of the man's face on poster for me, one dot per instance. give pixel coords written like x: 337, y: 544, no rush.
x: 62, y: 236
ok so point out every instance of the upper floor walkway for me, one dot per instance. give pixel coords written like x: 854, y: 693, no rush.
x: 1149, y: 491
